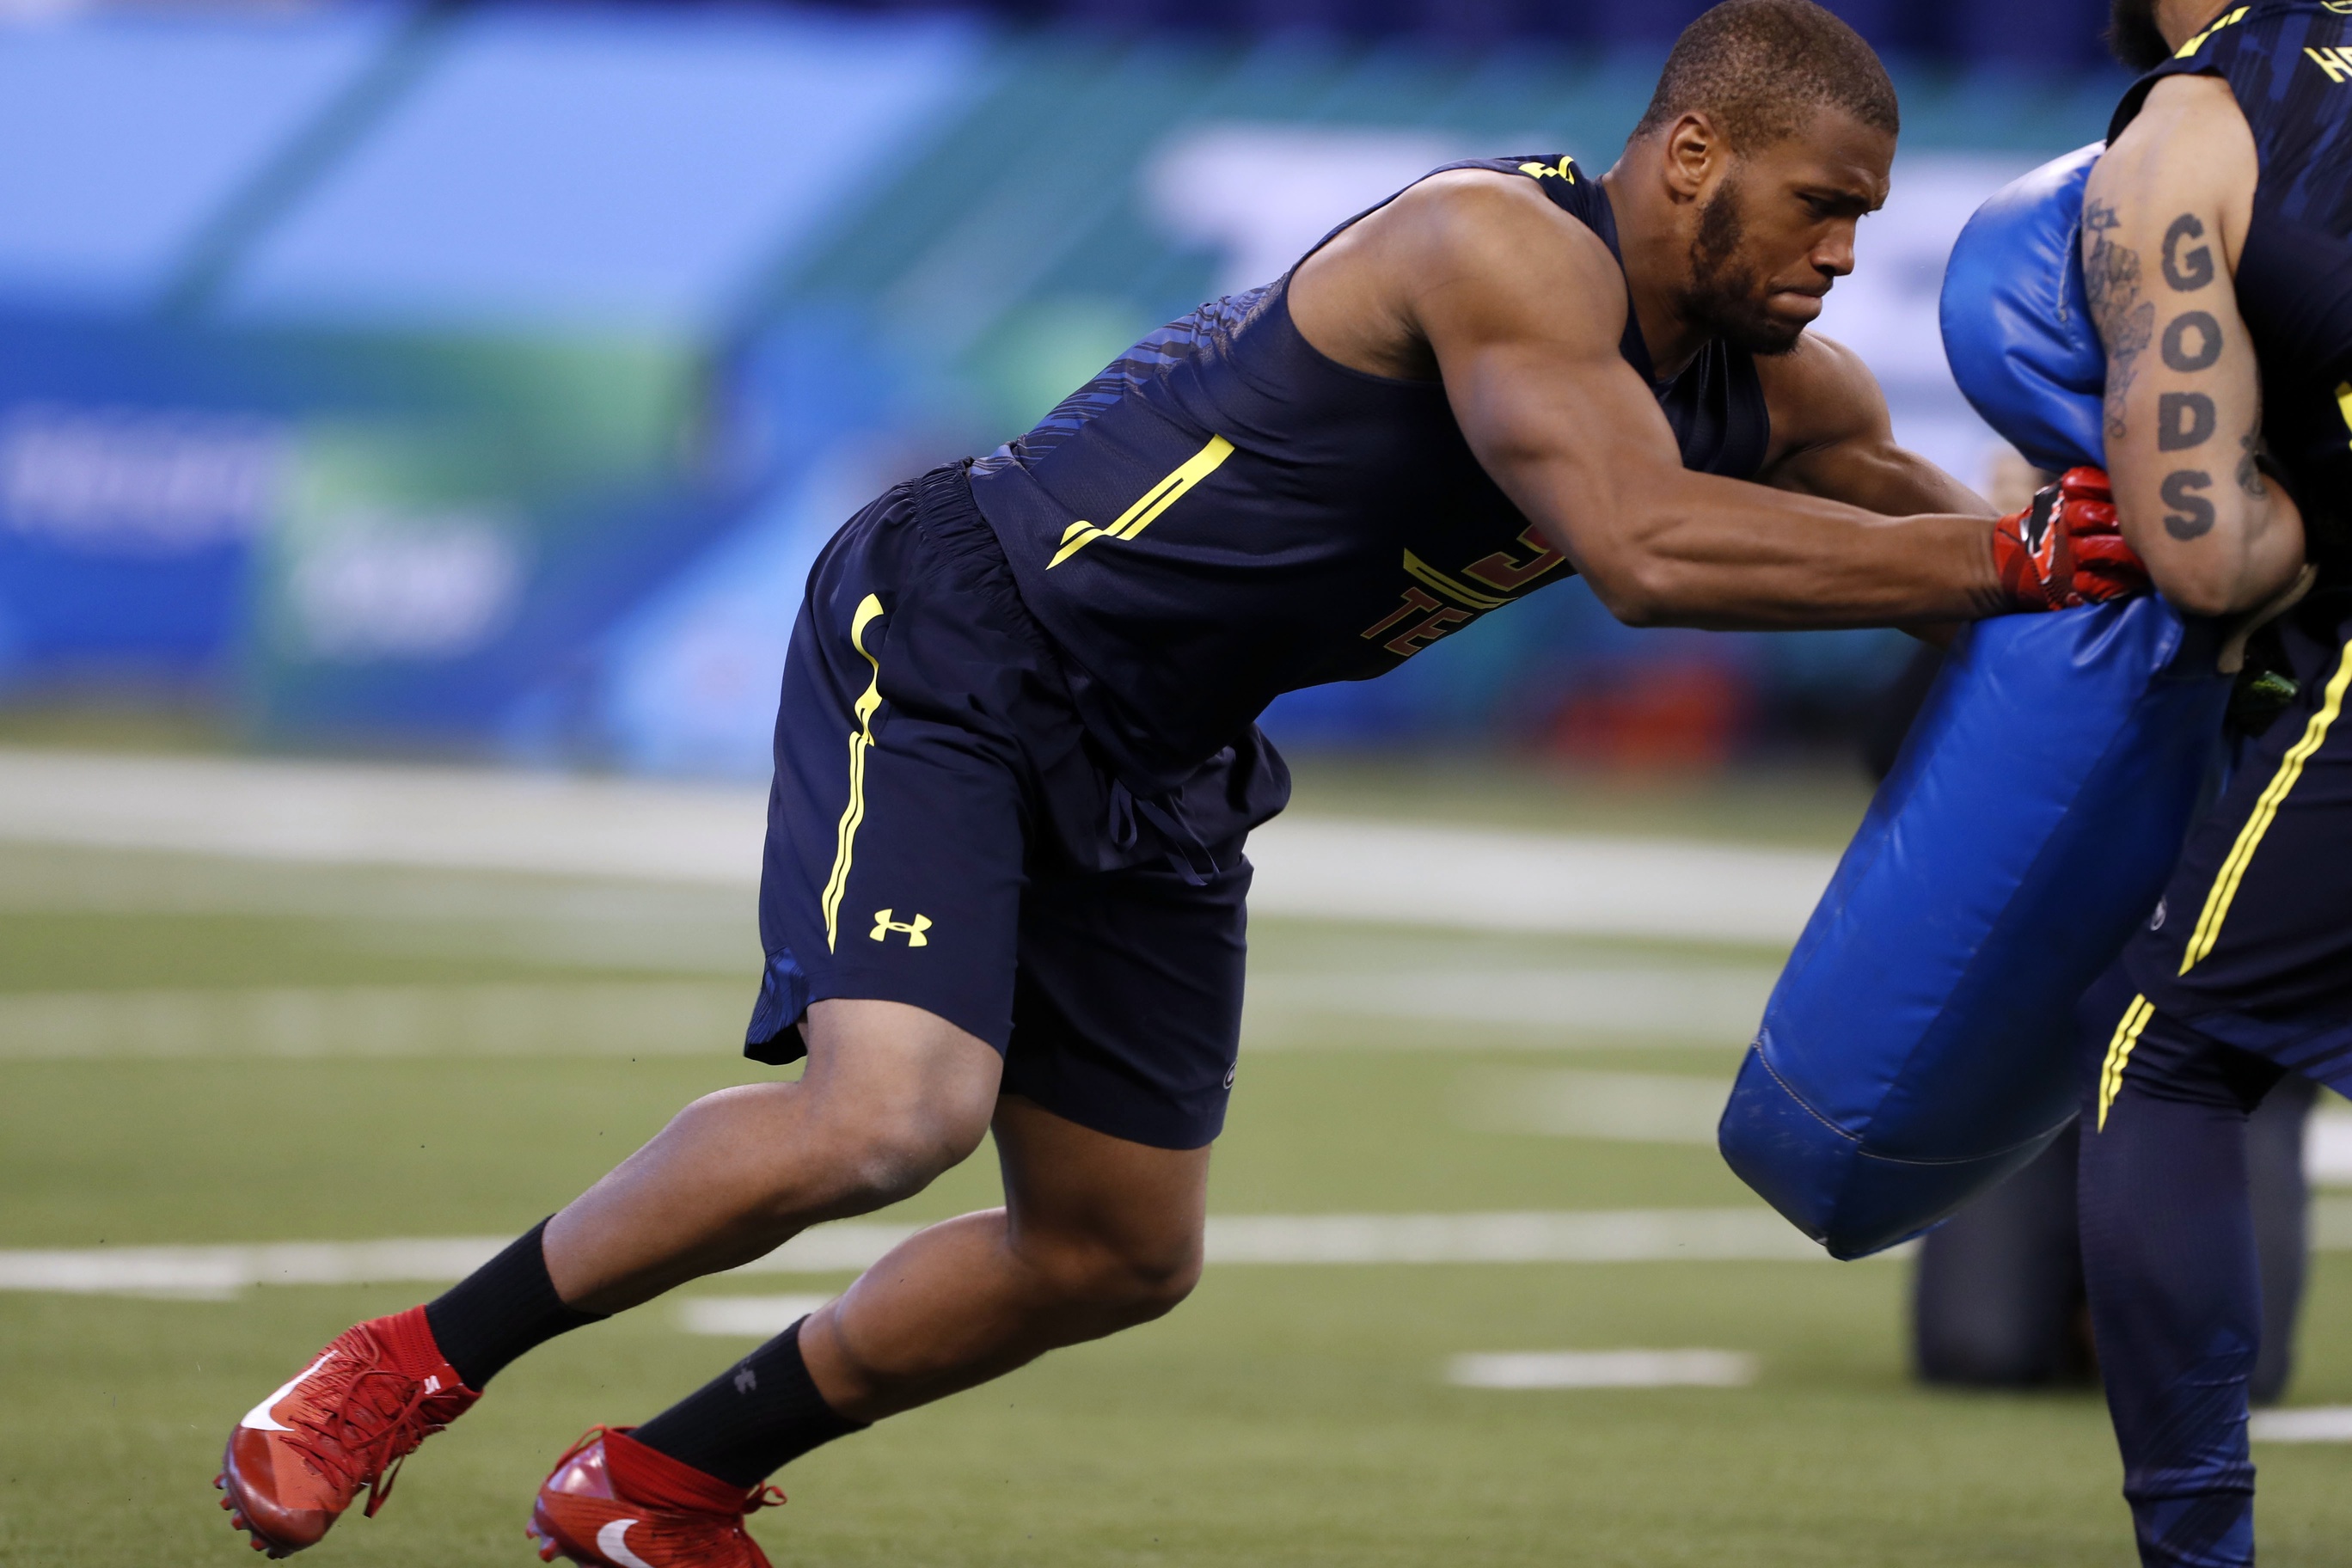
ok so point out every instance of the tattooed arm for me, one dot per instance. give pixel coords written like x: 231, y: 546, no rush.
x: 2164, y: 220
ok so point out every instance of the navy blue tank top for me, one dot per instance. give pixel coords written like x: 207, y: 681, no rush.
x: 2289, y: 65
x: 1225, y: 514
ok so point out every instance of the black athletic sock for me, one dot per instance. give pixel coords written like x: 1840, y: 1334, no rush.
x: 504, y: 1308
x: 751, y: 1420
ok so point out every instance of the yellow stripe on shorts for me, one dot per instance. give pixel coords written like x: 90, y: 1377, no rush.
x: 2119, y: 1050
x: 2242, y: 853
x: 861, y: 740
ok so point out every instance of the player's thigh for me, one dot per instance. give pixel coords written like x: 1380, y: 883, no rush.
x: 1118, y: 1217
x: 896, y: 839
x: 1129, y: 998
x: 2253, y: 936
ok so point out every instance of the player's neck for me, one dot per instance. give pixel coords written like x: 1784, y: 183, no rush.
x: 1656, y: 257
x: 2181, y: 20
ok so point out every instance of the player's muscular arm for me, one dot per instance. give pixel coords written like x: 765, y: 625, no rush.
x: 1831, y: 438
x: 2164, y: 218
x: 1521, y: 308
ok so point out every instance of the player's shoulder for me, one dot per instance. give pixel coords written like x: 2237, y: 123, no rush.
x: 1493, y: 218
x: 2190, y: 144
x: 1818, y: 393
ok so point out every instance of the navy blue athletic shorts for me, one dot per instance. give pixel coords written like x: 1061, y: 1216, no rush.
x: 943, y: 831
x: 2252, y: 945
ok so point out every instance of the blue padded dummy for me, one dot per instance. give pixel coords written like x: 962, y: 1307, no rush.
x: 1919, y: 1045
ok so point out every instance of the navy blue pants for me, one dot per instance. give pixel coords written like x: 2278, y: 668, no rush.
x: 944, y: 832
x: 2243, y: 974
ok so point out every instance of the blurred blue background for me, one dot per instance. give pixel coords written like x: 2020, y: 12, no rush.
x: 482, y: 379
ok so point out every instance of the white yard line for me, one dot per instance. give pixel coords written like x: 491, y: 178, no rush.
x: 600, y: 1018
x: 1603, y: 1369
x: 1488, y: 880
x: 1721, y: 1002
x: 1626, y: 1107
x: 1625, y: 1236
x: 1356, y: 870
x: 2317, y: 1424
x: 1286, y: 1010
x: 752, y: 1317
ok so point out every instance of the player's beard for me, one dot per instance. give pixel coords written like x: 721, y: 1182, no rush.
x: 1726, y: 295
x: 2132, y: 34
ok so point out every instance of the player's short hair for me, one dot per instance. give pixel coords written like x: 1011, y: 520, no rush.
x: 1758, y: 69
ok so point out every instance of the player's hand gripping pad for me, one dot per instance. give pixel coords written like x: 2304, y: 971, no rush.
x: 1919, y: 1046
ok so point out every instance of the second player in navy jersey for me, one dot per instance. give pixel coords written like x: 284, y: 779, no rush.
x: 2218, y: 248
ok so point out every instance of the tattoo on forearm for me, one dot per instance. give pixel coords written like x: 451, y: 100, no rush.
x: 2191, y: 270
x: 2126, y: 323
x: 2183, y: 420
x: 2186, y: 356
x: 2250, y: 470
x: 2192, y: 514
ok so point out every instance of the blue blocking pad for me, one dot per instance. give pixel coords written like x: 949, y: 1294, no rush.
x: 2017, y: 318
x: 1920, y: 1044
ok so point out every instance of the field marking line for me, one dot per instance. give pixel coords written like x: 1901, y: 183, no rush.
x: 1356, y: 870
x: 589, y: 1018
x: 2315, y: 1424
x: 596, y: 1018
x: 1620, y: 1235
x: 2327, y: 1147
x: 1603, y: 1369
x: 1622, y: 1107
x: 753, y: 1317
x: 1717, y: 1001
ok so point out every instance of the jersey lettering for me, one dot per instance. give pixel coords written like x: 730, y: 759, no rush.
x: 2334, y: 62
x: 1500, y: 570
x: 1407, y: 644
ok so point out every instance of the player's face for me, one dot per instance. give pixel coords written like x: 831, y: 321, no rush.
x: 1779, y: 229
x: 2132, y: 33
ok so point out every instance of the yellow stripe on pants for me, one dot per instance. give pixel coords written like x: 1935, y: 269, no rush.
x: 861, y: 740
x: 2242, y: 853
x: 2119, y: 1050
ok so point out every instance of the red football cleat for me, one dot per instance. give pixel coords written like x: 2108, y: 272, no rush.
x: 612, y: 1502
x: 343, y: 1424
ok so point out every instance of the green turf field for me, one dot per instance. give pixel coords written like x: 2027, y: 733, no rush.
x: 1286, y: 1414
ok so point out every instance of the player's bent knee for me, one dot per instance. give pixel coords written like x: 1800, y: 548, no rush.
x: 1132, y: 1280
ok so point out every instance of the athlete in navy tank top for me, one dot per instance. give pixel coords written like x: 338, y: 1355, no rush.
x: 1003, y: 887
x: 2218, y: 248
x: 1333, y: 524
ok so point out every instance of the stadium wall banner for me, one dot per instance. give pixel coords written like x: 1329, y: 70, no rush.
x: 485, y: 378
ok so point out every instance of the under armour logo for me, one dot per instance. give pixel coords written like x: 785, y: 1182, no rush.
x: 746, y: 1380
x: 912, y: 930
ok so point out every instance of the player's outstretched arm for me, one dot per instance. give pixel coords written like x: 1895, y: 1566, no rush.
x: 2164, y: 220
x: 1832, y: 438
x: 1523, y: 308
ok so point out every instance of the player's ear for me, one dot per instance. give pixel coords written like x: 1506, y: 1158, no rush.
x: 1693, y: 151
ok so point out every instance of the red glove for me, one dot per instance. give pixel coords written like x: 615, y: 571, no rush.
x: 2066, y: 549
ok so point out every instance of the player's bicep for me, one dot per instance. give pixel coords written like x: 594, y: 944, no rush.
x: 1524, y: 316
x: 2162, y: 216
x: 1834, y: 438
